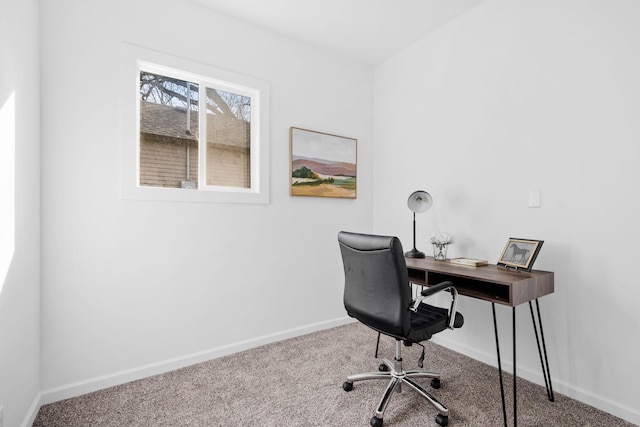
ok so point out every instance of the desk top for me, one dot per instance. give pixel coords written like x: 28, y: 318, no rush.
x: 488, y: 282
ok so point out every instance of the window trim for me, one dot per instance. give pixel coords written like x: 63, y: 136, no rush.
x: 133, y: 59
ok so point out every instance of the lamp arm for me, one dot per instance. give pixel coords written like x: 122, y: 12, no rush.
x: 414, y: 231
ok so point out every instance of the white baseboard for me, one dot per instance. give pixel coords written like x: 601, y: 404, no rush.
x: 33, y: 411
x: 588, y: 397
x: 98, y: 383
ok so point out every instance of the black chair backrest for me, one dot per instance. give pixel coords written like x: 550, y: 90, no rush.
x: 376, y: 288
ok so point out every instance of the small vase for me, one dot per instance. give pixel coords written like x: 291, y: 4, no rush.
x: 440, y: 251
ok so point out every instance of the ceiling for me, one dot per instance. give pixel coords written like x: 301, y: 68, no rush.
x: 367, y: 31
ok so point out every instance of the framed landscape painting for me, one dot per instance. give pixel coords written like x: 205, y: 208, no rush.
x: 322, y: 165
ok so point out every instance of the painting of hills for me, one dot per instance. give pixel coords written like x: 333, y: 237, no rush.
x: 322, y: 165
x: 326, y: 167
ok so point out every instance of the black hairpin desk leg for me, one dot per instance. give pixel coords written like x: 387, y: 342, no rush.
x: 542, y: 351
x: 495, y: 328
x: 515, y: 389
x: 515, y: 377
x: 543, y: 361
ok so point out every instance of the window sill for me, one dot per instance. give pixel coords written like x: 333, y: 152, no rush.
x: 197, y: 196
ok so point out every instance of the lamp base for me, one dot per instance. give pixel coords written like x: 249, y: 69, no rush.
x: 414, y: 253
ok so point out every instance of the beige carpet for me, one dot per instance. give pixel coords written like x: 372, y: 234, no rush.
x: 298, y: 382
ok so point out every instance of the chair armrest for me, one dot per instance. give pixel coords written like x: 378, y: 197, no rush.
x: 435, y: 289
x: 431, y: 290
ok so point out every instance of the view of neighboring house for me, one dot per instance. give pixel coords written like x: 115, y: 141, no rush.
x: 169, y: 148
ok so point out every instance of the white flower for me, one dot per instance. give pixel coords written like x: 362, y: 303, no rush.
x: 441, y: 238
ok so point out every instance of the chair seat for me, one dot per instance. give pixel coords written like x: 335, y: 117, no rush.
x: 429, y: 320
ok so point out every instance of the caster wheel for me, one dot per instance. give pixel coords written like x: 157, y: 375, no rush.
x: 383, y: 368
x: 376, y: 422
x: 442, y: 420
x: 347, y: 386
x: 435, y: 383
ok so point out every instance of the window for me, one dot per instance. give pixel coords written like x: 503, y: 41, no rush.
x: 200, y: 133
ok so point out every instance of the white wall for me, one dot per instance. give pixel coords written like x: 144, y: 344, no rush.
x: 133, y: 287
x: 19, y: 209
x: 545, y: 91
x: 515, y: 96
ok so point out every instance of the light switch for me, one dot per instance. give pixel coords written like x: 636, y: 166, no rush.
x: 534, y: 198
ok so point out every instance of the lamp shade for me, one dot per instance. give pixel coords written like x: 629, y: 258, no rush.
x: 419, y: 201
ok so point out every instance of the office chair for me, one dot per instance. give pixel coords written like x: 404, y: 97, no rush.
x: 378, y: 294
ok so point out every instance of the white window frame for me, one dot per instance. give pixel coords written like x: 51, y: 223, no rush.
x: 136, y: 58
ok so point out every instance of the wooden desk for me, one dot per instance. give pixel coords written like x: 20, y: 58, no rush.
x: 490, y: 282
x: 496, y: 285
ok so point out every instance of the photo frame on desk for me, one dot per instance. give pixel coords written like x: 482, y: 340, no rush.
x: 520, y: 254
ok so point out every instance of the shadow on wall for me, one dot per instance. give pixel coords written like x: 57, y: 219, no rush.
x: 7, y: 184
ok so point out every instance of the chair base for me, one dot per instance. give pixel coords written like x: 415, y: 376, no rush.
x: 397, y: 377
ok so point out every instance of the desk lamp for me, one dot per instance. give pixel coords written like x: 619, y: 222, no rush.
x: 419, y: 201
